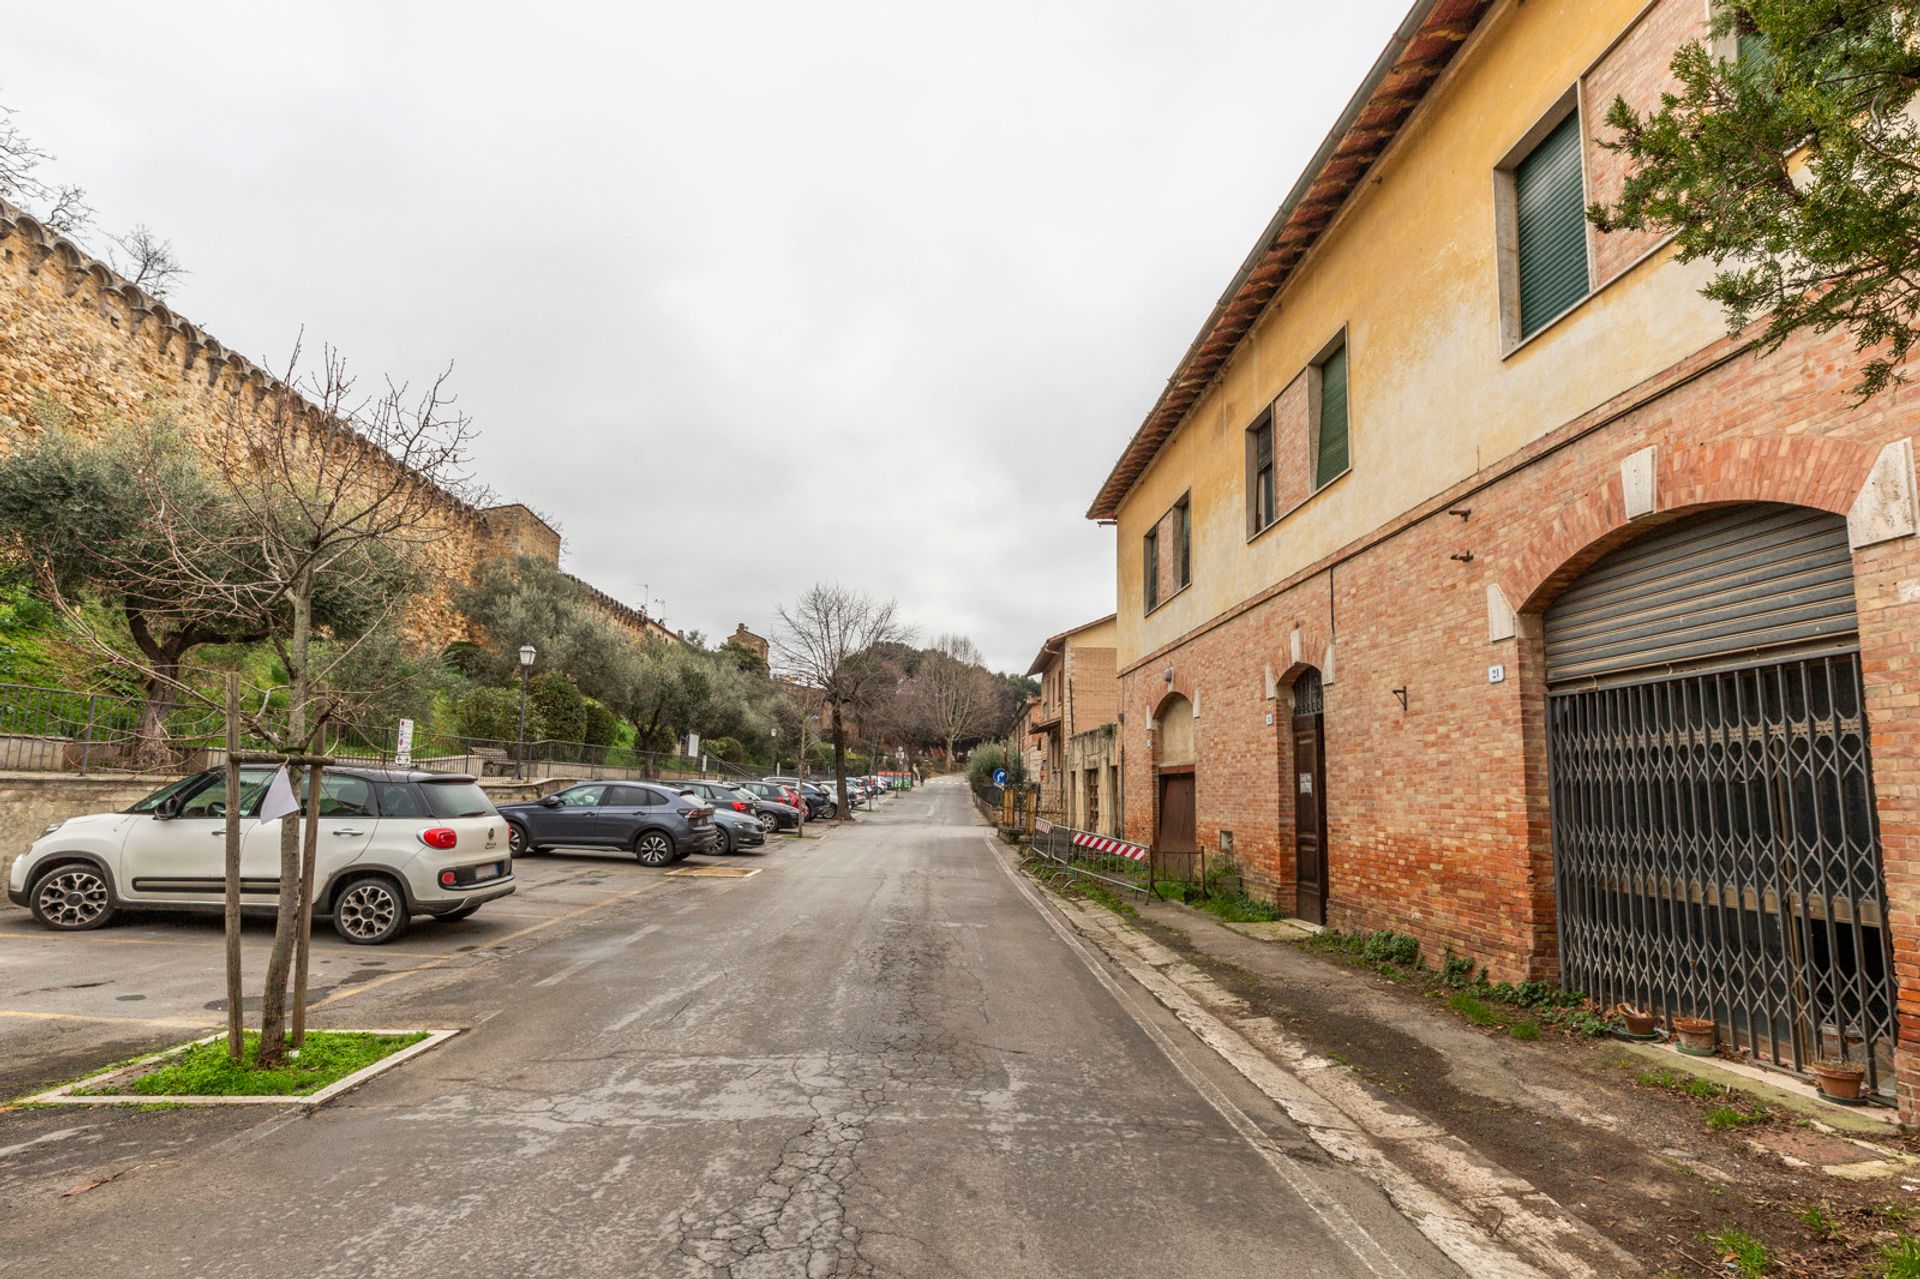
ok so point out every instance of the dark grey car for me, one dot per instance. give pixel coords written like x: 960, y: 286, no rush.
x: 739, y: 799
x: 655, y: 822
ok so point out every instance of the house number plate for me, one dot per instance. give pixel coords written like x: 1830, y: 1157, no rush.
x: 1306, y: 783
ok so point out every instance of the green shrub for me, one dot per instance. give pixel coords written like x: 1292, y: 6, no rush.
x: 494, y: 714
x: 602, y: 726
x: 563, y: 711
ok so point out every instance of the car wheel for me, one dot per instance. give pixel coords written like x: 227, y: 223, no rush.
x: 726, y: 842
x: 519, y: 843
x: 458, y: 913
x: 653, y: 848
x: 73, y: 897
x: 829, y: 811
x: 369, y: 911
x: 769, y: 823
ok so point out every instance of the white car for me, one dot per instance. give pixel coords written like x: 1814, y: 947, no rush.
x: 392, y: 844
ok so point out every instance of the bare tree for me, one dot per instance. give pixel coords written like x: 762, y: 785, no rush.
x: 310, y: 536
x: 961, y: 696
x: 826, y: 642
x: 334, y: 489
x: 150, y: 262
x: 64, y: 208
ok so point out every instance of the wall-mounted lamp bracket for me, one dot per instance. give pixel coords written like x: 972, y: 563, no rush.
x: 1401, y: 693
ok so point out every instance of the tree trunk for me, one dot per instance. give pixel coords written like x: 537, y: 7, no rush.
x: 150, y: 733
x: 840, y: 765
x: 273, y: 1001
x: 236, y: 1003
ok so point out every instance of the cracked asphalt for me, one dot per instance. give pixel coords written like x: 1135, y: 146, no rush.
x: 874, y: 1058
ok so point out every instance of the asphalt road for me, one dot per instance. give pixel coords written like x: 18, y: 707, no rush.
x: 874, y: 1057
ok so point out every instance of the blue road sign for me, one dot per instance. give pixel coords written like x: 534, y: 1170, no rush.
x: 999, y: 777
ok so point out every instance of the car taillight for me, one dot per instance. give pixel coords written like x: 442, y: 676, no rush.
x: 739, y: 807
x: 439, y: 837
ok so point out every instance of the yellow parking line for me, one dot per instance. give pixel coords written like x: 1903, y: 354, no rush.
x: 350, y: 991
x: 144, y: 1021
x: 120, y: 941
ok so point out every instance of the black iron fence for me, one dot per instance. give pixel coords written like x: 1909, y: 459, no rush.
x: 1081, y: 854
x: 63, y: 730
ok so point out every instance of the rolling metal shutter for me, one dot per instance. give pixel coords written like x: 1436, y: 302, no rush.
x: 1759, y: 582
x: 1551, y: 221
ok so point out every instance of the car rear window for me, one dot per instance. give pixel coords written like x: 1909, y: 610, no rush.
x: 456, y: 799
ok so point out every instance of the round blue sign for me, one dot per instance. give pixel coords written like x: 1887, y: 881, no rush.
x: 999, y: 777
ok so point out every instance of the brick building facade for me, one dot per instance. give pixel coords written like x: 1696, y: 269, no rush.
x: 1078, y: 749
x: 1351, y: 670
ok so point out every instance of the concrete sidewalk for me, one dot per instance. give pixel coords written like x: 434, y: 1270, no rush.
x: 1580, y: 1153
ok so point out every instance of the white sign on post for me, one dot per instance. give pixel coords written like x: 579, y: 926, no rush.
x: 693, y: 745
x: 403, y: 744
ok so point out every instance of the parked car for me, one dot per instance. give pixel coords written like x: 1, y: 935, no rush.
x: 820, y: 804
x: 393, y: 844
x: 656, y: 822
x: 737, y: 830
x: 779, y: 806
x: 724, y: 796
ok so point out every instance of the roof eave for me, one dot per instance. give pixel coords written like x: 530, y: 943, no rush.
x: 1421, y: 48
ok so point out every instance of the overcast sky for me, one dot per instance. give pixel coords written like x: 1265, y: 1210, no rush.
x: 745, y: 296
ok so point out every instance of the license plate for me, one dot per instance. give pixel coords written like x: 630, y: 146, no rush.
x: 489, y: 871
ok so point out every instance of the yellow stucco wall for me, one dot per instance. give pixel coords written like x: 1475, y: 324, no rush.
x: 1410, y: 270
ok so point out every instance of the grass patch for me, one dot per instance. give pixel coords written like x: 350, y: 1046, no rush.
x: 1727, y: 1118
x: 1815, y: 1219
x: 1748, y: 1256
x: 205, y: 1070
x: 1902, y: 1258
x: 1525, y: 1028
x: 1474, y: 1009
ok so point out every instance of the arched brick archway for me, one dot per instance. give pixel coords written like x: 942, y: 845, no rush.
x: 1175, y: 784
x: 1660, y: 758
x: 1826, y: 474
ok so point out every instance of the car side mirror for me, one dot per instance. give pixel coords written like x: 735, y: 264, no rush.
x: 549, y: 801
x: 167, y: 809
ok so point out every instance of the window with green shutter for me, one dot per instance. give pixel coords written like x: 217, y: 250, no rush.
x: 1330, y: 430
x: 1150, y: 566
x: 1550, y: 224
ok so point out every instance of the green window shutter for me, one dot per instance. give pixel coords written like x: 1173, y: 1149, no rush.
x: 1551, y: 221
x: 1330, y: 439
x: 1151, y: 564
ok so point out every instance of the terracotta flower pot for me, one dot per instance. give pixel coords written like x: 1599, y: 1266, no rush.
x: 1639, y: 1024
x: 1839, y: 1080
x: 1697, y: 1035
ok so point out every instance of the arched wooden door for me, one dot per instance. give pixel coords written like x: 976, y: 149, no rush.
x: 1175, y: 825
x: 1309, y: 799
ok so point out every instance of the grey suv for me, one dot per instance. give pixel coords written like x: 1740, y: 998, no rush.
x: 657, y: 823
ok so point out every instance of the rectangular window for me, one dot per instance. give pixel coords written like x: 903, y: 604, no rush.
x: 1330, y: 425
x: 1150, y: 565
x: 1260, y: 511
x: 1183, y: 544
x: 1550, y: 227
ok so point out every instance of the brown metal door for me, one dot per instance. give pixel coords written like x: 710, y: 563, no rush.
x: 1310, y: 816
x: 1176, y: 814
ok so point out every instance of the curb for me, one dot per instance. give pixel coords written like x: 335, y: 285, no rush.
x: 1487, y: 1219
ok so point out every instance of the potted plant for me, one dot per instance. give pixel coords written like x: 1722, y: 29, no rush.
x: 1839, y: 1079
x: 1638, y: 1021
x: 1697, y: 1035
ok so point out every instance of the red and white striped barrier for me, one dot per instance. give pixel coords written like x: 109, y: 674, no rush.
x: 1111, y: 847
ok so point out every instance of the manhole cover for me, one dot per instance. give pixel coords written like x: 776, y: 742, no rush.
x: 714, y: 872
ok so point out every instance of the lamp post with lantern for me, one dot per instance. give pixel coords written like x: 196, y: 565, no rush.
x: 527, y: 654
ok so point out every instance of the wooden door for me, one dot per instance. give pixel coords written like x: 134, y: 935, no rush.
x: 1176, y: 834
x: 1310, y: 816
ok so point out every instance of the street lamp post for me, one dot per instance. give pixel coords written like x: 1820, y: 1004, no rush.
x: 527, y: 654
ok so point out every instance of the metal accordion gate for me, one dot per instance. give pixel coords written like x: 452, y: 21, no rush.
x: 1716, y: 850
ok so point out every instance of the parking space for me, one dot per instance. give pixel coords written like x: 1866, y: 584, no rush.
x: 71, y: 1000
